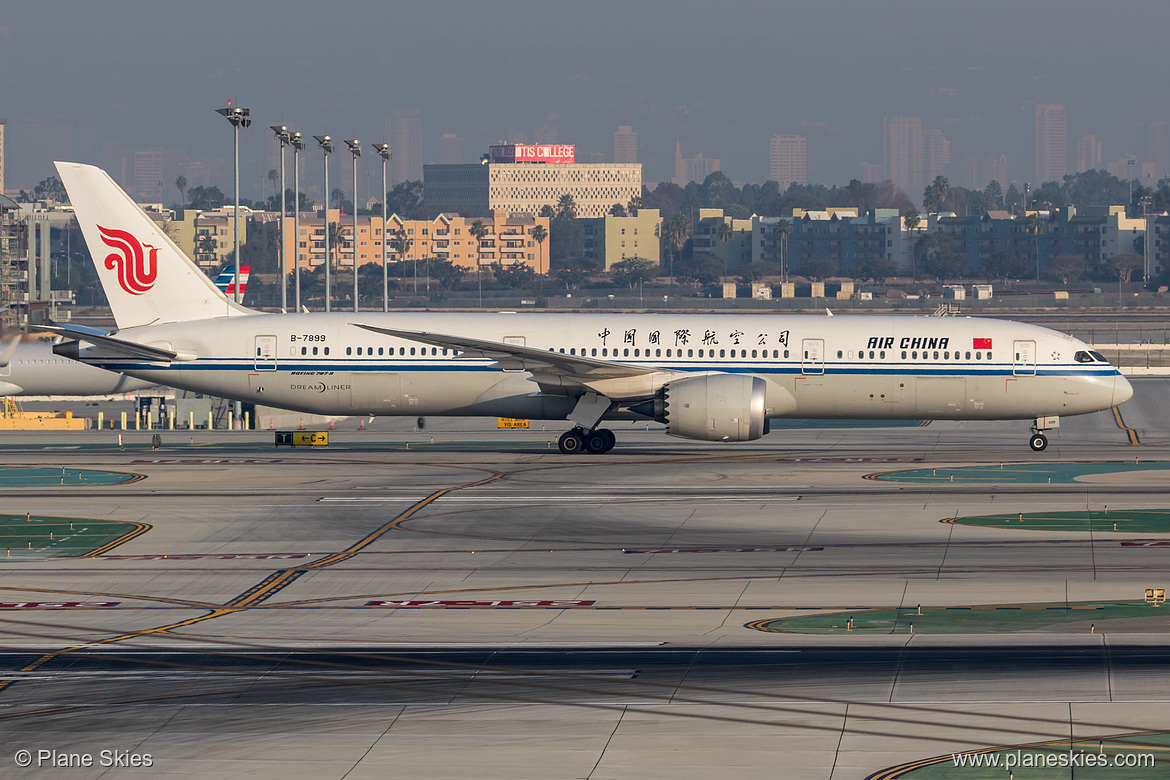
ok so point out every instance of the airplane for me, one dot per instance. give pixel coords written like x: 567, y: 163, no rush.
x: 31, y: 368
x: 709, y: 377
x: 226, y: 281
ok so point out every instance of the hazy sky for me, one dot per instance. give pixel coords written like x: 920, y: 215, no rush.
x: 721, y: 77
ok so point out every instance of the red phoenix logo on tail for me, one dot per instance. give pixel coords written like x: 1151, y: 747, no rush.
x: 136, y: 270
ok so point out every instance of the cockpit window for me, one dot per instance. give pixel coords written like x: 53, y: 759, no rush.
x: 1098, y: 356
x: 1083, y: 357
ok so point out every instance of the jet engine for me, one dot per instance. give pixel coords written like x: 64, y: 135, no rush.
x: 715, y: 407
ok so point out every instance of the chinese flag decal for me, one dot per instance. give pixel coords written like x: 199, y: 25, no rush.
x: 981, y: 344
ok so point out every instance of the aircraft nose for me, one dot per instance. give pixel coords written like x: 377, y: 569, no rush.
x: 1122, y: 390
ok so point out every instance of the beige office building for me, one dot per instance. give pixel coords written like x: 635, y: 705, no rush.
x: 610, y: 239
x: 479, y: 190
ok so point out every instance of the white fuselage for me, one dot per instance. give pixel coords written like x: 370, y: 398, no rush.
x: 33, y: 369
x: 814, y: 366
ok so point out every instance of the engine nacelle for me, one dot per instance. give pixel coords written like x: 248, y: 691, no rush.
x: 716, y: 407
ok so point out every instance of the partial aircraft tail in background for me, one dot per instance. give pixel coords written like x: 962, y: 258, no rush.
x: 147, y: 279
x: 226, y: 281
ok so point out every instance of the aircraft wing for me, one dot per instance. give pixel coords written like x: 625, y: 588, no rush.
x: 128, y: 348
x: 551, y: 370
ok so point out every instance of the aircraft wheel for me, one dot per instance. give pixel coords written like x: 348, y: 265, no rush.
x: 572, y: 442
x: 1038, y: 442
x: 612, y: 440
x: 597, y: 442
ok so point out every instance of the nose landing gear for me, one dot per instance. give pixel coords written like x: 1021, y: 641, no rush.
x: 1038, y: 441
x: 595, y: 442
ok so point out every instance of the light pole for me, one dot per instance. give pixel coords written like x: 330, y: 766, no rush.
x: 239, y: 117
x: 326, y: 144
x: 282, y: 136
x: 298, y: 145
x: 384, y: 151
x: 355, y: 148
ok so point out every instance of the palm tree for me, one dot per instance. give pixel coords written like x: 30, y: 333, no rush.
x: 207, y: 245
x: 539, y: 235
x: 181, y: 186
x: 725, y: 233
x: 478, y: 231
x: 274, y: 177
x: 912, y: 221
x: 336, y: 236
x: 566, y: 206
x: 338, y: 197
x: 1034, y: 224
x: 634, y: 204
x: 783, y: 229
x: 401, y: 244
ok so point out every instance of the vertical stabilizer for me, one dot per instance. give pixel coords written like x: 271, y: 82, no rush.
x: 147, y: 279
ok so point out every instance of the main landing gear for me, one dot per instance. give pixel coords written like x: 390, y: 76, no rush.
x: 595, y: 442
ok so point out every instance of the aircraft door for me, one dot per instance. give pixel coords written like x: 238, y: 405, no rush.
x: 1024, y: 358
x: 813, y: 358
x: 265, y: 355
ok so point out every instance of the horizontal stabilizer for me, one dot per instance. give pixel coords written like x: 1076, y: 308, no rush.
x: 128, y: 348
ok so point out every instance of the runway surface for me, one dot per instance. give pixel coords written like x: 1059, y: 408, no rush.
x: 462, y: 601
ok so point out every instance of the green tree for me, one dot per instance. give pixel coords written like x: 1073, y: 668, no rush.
x: 572, y: 278
x: 1123, y: 266
x: 181, y: 186
x: 406, y: 200
x: 1006, y: 265
x: 1065, y: 268
x: 617, y: 210
x: 443, y: 272
x: 478, y: 231
x: 401, y: 244
x: 514, y: 276
x: 994, y: 194
x: 274, y: 180
x: 757, y: 271
x: 566, y: 243
x: 699, y: 269
x: 937, y: 257
x: 205, y: 198
x: 879, y: 269
x: 633, y: 271
x: 634, y: 204
x: 817, y: 269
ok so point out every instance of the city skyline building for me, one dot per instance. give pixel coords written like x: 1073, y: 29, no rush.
x: 1088, y: 153
x: 904, y: 153
x: 1160, y: 147
x: 788, y: 160
x: 404, y: 129
x: 625, y: 145
x: 1051, y: 144
x: 3, y: 122
x: 938, y: 155
x: 688, y: 169
x: 450, y: 149
x: 148, y: 181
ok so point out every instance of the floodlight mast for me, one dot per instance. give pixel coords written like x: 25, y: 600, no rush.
x: 355, y: 148
x: 326, y: 144
x: 384, y: 151
x: 282, y: 135
x: 239, y: 117
x: 298, y: 145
